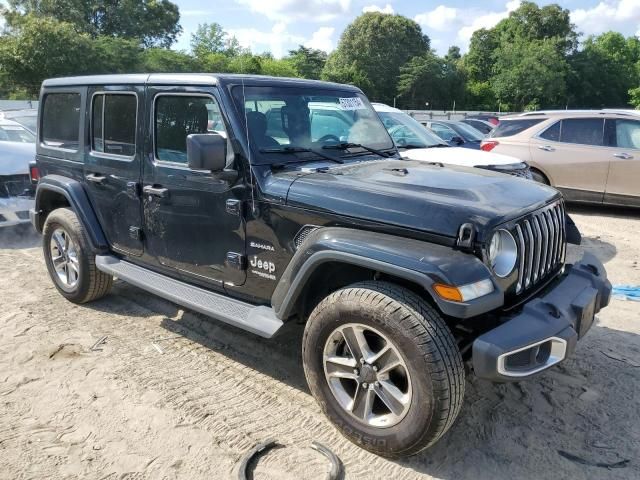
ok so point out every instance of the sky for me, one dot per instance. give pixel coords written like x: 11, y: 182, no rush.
x: 277, y: 26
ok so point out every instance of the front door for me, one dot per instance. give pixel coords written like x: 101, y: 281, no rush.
x: 192, y: 219
x: 623, y: 183
x: 112, y: 165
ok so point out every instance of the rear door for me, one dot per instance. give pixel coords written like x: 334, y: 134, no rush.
x: 193, y: 219
x: 112, y: 166
x: 572, y: 153
x: 623, y: 183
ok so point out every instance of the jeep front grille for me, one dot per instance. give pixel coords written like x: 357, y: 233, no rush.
x: 541, y: 240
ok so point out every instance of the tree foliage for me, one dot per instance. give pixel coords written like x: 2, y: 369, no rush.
x: 374, y: 48
x: 532, y: 59
x: 152, y: 22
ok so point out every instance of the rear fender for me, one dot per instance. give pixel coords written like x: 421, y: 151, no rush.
x: 51, y: 186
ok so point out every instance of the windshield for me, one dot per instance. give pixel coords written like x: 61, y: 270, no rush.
x: 469, y: 132
x: 16, y: 133
x: 405, y: 130
x: 30, y: 122
x: 309, y: 118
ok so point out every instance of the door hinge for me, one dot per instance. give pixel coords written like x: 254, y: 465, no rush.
x: 135, y: 233
x: 234, y: 207
x: 236, y: 260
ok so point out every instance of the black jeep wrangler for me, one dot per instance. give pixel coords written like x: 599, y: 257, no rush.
x: 259, y: 200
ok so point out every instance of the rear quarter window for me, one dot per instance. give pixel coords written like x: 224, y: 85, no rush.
x: 509, y: 128
x: 61, y: 120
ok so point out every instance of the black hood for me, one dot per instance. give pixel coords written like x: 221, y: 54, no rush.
x: 418, y: 195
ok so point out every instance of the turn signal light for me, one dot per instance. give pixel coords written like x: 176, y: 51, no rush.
x: 448, y: 292
x: 488, y: 145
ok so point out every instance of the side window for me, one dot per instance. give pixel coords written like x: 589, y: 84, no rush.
x: 113, y: 124
x: 509, y: 128
x: 583, y: 131
x: 61, y: 120
x: 552, y: 133
x: 176, y: 117
x: 627, y: 134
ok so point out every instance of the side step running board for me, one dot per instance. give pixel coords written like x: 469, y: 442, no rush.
x: 259, y: 320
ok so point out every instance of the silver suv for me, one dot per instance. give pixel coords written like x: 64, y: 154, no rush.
x: 592, y: 156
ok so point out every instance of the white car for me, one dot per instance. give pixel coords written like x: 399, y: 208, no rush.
x: 415, y: 142
x: 17, y: 149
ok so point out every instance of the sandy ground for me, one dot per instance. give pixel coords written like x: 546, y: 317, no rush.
x: 171, y: 394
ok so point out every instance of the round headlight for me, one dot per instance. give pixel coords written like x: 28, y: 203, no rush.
x: 503, y: 253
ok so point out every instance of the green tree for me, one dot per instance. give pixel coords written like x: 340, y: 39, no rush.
x: 423, y: 79
x: 245, y: 63
x: 277, y: 67
x: 604, y: 71
x: 371, y: 51
x: 308, y: 62
x: 152, y: 22
x: 40, y: 48
x: 530, y: 74
x: 208, y: 38
x: 634, y: 95
x: 165, y: 60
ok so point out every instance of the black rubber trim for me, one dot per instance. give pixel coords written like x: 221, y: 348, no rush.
x: 563, y: 312
x: 259, y: 448
x: 75, y: 194
x: 336, y: 465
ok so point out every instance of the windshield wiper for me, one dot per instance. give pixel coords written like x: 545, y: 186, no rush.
x: 292, y: 149
x: 412, y: 146
x: 345, y: 145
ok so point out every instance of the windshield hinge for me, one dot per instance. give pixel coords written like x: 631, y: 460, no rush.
x: 466, y: 236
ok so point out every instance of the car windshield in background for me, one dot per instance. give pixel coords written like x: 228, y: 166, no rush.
x: 508, y: 128
x: 288, y: 120
x: 30, y: 122
x: 469, y: 133
x: 407, y: 132
x: 16, y: 133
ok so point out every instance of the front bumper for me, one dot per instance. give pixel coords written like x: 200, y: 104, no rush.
x: 15, y: 210
x: 547, y: 329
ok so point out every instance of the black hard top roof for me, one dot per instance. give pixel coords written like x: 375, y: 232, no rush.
x: 190, y: 79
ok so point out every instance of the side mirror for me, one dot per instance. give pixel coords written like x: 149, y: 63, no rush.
x: 206, y: 151
x: 457, y: 140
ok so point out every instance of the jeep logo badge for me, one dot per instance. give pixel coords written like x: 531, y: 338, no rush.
x: 268, y: 267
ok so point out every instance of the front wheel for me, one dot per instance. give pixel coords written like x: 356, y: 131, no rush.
x: 384, y: 368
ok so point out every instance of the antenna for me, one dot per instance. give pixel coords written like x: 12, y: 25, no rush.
x: 246, y: 124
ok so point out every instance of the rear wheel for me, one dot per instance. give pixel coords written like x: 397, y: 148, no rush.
x: 384, y: 368
x: 70, y: 260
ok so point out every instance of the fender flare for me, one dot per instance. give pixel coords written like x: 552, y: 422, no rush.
x: 77, y: 198
x: 419, y: 262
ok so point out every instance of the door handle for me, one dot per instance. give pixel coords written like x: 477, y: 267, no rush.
x: 156, y: 191
x: 97, y: 179
x: 623, y: 156
x: 546, y: 148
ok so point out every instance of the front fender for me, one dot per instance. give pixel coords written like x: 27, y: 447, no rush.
x: 74, y: 193
x: 419, y: 262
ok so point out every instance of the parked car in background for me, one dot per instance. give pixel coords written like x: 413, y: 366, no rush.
x: 416, y: 142
x: 492, y: 119
x: 480, y: 125
x: 456, y: 134
x: 17, y: 149
x: 27, y: 117
x: 592, y: 156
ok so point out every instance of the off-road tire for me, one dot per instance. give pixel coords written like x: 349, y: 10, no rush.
x: 92, y: 283
x: 430, y: 351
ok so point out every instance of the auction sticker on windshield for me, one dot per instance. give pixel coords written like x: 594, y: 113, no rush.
x: 353, y: 103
